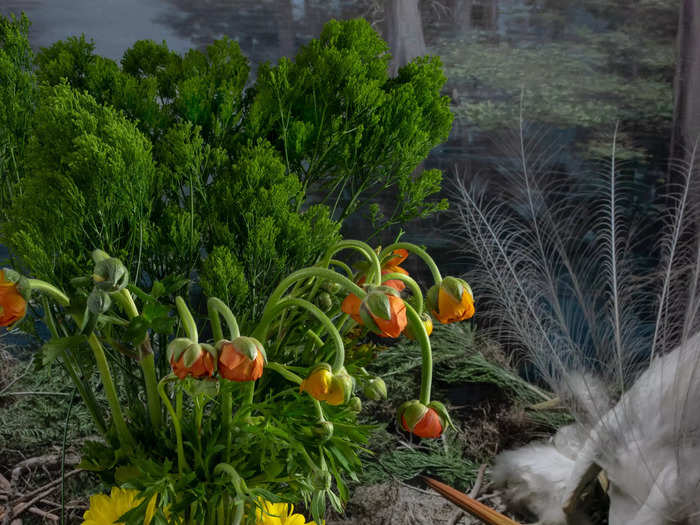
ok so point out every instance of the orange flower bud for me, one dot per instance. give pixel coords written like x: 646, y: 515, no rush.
x: 451, y: 300
x: 188, y: 358
x: 383, y: 312
x: 13, y: 304
x: 427, y: 323
x: 242, y: 359
x: 318, y: 382
x: 351, y: 306
x: 424, y: 421
x: 322, y: 384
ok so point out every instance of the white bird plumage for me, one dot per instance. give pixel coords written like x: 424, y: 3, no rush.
x: 562, y: 271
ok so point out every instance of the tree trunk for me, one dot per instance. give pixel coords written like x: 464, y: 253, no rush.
x: 686, y: 117
x: 403, y: 32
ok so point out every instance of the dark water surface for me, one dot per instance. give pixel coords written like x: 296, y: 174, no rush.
x: 577, y: 66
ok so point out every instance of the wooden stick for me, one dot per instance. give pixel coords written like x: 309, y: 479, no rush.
x: 473, y: 507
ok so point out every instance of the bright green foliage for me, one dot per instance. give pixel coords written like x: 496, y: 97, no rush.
x: 342, y: 123
x: 17, y: 96
x: 256, y: 232
x: 88, y: 177
x: 220, y: 186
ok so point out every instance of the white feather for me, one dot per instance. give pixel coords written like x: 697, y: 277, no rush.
x: 558, y: 268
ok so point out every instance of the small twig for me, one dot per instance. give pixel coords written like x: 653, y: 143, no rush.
x: 26, y: 371
x: 479, y: 480
x: 457, y: 517
x: 47, y: 486
x: 43, y: 513
x: 4, y: 394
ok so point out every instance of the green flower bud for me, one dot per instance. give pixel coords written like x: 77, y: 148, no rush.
x: 375, y: 389
x: 355, y: 404
x: 322, y: 430
x: 109, y: 274
x: 98, y: 302
x: 324, y: 301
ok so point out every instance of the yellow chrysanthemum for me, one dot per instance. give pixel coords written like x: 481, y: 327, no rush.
x: 106, y: 510
x: 278, y: 514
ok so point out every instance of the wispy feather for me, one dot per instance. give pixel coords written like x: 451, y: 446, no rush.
x: 601, y: 295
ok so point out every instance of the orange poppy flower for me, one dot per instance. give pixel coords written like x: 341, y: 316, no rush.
x: 242, y: 359
x: 351, y: 306
x: 13, y: 306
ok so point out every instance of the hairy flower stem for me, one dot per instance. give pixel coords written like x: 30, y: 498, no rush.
x: 181, y: 461
x: 306, y: 273
x: 125, y: 437
x: 364, y: 248
x: 217, y: 307
x: 187, y: 320
x: 37, y: 285
x: 146, y: 361
x: 284, y: 372
x: 271, y: 313
x: 412, y: 285
x: 420, y: 252
x: 426, y: 354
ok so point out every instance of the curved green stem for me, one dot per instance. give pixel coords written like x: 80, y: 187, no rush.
x: 125, y: 437
x: 412, y: 284
x: 426, y: 354
x: 319, y: 410
x: 146, y: 361
x: 341, y: 264
x: 316, y: 339
x: 217, y: 307
x: 305, y: 273
x: 269, y: 315
x: 420, y: 252
x: 50, y: 289
x: 284, y: 372
x: 187, y: 319
x: 362, y: 247
x: 181, y: 461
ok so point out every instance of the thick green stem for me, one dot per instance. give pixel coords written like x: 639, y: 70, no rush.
x: 217, y: 307
x: 146, y: 361
x: 413, y: 286
x: 187, y: 320
x: 263, y: 327
x: 426, y: 354
x: 226, y: 413
x: 284, y: 372
x: 148, y: 366
x: 181, y: 461
x: 125, y: 437
x: 49, y: 289
x: 238, y: 516
x: 420, y: 252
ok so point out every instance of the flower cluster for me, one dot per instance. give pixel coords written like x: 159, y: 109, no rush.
x: 234, y: 393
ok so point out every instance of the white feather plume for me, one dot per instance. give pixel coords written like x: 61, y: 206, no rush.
x: 561, y: 269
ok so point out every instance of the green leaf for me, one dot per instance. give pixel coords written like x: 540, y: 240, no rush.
x: 54, y: 347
